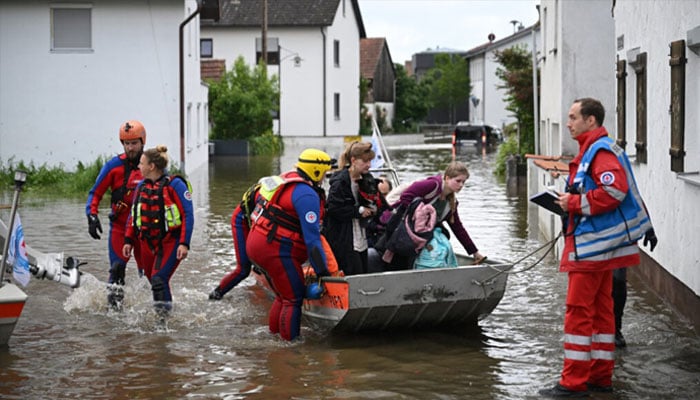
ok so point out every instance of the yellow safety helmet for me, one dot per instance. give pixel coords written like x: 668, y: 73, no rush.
x: 131, y: 130
x: 315, y: 163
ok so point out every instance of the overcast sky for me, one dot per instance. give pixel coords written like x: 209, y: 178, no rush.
x: 413, y: 26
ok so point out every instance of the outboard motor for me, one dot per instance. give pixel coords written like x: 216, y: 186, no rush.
x: 51, y: 268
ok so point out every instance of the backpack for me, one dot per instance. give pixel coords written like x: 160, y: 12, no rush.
x: 414, y: 230
x: 437, y: 253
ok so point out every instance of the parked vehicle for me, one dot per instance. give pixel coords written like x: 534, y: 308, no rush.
x: 477, y: 135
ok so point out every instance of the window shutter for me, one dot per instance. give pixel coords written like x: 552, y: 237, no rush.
x: 640, y: 69
x: 677, y: 62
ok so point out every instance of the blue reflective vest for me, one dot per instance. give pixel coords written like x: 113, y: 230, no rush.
x: 603, y: 233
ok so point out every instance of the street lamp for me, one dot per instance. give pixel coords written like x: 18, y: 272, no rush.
x: 20, y: 179
x: 518, y: 23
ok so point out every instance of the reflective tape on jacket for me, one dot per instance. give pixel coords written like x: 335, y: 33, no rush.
x: 602, y: 235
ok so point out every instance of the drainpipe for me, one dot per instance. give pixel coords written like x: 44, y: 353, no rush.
x: 535, y: 97
x: 182, y: 85
x: 325, y: 95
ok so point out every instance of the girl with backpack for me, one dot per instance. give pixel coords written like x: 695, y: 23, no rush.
x: 439, y: 191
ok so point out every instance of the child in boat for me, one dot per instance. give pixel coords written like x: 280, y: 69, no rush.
x: 375, y: 226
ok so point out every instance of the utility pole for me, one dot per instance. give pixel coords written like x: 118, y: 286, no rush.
x: 263, y: 58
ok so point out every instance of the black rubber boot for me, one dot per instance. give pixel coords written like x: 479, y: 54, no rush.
x: 115, y: 297
x: 216, y: 294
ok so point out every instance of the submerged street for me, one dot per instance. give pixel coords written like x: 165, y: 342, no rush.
x: 67, y: 345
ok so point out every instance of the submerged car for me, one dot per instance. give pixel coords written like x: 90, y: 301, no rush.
x: 477, y: 135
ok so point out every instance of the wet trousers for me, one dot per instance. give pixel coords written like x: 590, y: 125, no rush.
x: 589, y: 331
x: 282, y: 262
x: 619, y: 294
x: 159, y: 265
x: 117, y: 229
x: 239, y: 231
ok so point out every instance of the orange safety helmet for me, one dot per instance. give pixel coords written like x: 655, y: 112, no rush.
x: 132, y: 130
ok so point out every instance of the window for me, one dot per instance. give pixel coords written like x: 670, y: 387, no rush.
x: 336, y: 105
x: 273, y: 50
x: 336, y: 53
x: 206, y: 48
x: 71, y: 27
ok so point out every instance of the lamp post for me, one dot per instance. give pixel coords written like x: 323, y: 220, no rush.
x: 20, y: 179
x: 517, y: 25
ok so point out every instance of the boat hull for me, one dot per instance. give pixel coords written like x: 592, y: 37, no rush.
x: 12, y: 301
x: 406, y: 300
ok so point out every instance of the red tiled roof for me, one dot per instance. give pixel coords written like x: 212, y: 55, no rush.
x: 370, y: 52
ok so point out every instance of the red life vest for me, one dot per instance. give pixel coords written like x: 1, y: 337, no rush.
x: 276, y: 216
x: 155, y: 212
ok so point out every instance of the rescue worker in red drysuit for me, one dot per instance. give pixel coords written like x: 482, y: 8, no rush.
x: 119, y: 175
x: 606, y: 217
x: 161, y: 222
x: 286, y: 233
x: 240, y: 226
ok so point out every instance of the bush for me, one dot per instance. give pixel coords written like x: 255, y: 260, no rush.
x: 505, y: 150
x: 266, y: 144
x: 242, y: 102
x: 54, y: 181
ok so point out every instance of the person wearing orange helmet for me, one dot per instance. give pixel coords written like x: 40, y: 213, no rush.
x: 120, y: 175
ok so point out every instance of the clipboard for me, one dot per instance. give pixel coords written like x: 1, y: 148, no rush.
x: 547, y: 200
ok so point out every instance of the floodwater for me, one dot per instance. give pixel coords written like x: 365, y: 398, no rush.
x: 67, y: 345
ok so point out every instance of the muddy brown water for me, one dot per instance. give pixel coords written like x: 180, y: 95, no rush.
x: 67, y: 345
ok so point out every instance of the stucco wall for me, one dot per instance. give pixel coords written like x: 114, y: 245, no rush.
x: 66, y: 107
x: 303, y: 97
x: 672, y: 202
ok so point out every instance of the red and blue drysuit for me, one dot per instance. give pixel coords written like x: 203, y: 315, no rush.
x: 239, y: 230
x: 605, y: 219
x: 162, y: 218
x: 285, y: 233
x: 120, y: 176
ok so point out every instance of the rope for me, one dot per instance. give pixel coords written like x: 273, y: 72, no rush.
x: 549, y: 245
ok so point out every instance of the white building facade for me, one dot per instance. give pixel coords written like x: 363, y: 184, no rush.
x: 565, y: 75
x: 72, y: 72
x: 661, y: 109
x: 318, y: 64
x: 487, y: 105
x: 595, y: 49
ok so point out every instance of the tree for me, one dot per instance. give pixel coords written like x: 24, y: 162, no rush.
x: 516, y: 74
x: 242, y: 102
x: 365, y: 118
x: 412, y: 100
x: 451, y: 86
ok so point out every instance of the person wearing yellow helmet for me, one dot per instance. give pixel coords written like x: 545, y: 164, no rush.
x: 285, y: 233
x: 314, y: 164
x: 120, y: 175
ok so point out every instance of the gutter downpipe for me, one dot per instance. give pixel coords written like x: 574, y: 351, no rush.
x: 325, y: 95
x: 182, y: 85
x: 535, y: 97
